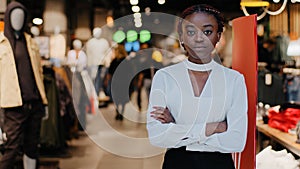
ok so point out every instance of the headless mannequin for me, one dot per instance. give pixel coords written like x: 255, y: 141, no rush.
x: 21, y: 120
x: 17, y: 21
x: 57, y: 45
x: 35, y: 31
x: 97, y: 50
x: 76, y: 58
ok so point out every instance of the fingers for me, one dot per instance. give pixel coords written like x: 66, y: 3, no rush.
x: 159, y: 108
x: 160, y: 118
x: 159, y: 114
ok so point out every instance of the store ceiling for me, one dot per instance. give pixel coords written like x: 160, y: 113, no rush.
x: 122, y: 7
x: 228, y: 7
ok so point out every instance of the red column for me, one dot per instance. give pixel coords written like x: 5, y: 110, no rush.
x: 244, y: 60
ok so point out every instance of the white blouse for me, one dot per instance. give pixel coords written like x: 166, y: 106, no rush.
x: 77, y: 60
x: 224, y: 96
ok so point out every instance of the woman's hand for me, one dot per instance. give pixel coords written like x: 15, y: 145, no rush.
x: 162, y: 114
x: 216, y: 127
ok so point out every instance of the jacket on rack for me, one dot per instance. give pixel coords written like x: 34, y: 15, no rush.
x: 10, y: 92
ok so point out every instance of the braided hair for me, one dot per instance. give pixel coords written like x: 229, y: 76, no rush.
x: 204, y: 9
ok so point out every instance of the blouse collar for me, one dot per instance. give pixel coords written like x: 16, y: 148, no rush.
x: 199, y: 67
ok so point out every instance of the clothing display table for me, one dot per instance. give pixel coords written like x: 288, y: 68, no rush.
x: 287, y: 140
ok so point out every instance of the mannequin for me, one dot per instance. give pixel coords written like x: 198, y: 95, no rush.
x: 35, y: 31
x: 57, y: 45
x: 22, y: 93
x: 97, y: 50
x: 76, y: 58
x: 42, y: 42
x: 77, y: 61
x: 17, y: 19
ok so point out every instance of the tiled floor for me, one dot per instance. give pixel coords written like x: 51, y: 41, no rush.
x: 111, y: 144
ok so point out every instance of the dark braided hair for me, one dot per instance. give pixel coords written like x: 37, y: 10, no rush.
x: 205, y: 9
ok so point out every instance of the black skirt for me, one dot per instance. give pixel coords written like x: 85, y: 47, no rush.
x: 180, y: 158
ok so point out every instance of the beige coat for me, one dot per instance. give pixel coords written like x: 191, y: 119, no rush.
x: 10, y: 92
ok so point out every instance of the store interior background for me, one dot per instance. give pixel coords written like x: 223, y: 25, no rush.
x: 77, y: 18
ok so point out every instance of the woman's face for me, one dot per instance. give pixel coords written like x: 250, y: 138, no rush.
x: 200, y: 35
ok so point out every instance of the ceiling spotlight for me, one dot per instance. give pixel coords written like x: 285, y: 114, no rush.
x: 135, y: 8
x: 138, y: 24
x: 37, y: 21
x: 137, y: 15
x: 110, y: 21
x: 134, y: 2
x: 136, y: 20
x: 161, y: 2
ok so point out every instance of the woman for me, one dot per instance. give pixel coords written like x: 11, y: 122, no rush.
x: 120, y: 100
x: 198, y: 108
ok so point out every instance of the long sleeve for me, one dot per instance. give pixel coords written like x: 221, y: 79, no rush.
x: 171, y: 134
x: 234, y: 139
x: 224, y: 97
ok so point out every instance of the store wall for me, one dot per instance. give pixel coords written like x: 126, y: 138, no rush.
x: 278, y: 23
x: 3, y: 6
x: 54, y: 15
x: 82, y: 13
x: 295, y: 19
x: 287, y: 22
x: 100, y: 15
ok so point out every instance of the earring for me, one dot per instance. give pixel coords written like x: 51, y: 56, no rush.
x: 182, y: 44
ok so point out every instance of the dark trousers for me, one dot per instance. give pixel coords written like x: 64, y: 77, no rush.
x: 99, y: 78
x: 22, y: 127
x: 179, y: 158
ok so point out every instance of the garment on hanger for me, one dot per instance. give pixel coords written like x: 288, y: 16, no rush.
x: 57, y: 126
x: 77, y: 60
x: 282, y: 45
x: 58, y: 46
x: 52, y: 137
x: 284, y: 120
x: 272, y: 93
x: 292, y: 86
